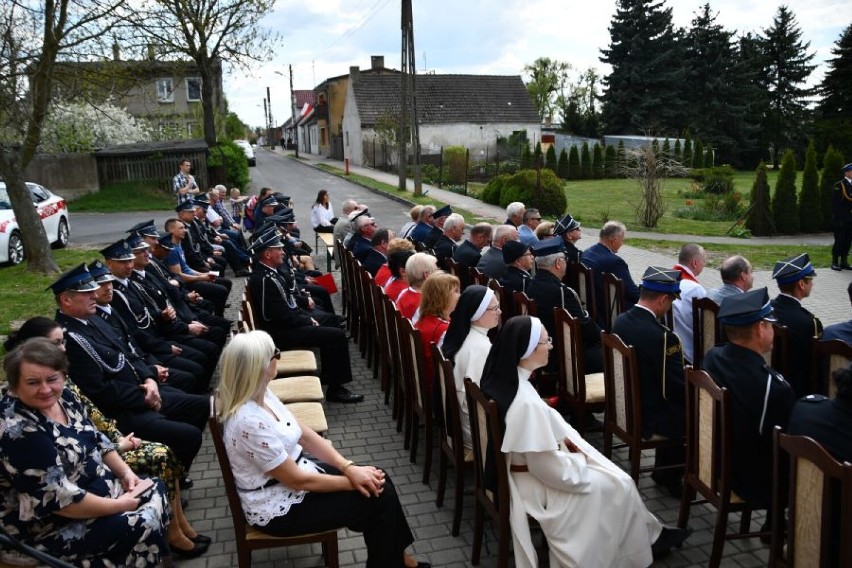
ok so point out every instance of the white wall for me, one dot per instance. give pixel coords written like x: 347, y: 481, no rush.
x: 476, y: 137
x: 352, y: 142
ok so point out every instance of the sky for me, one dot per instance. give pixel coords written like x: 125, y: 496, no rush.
x: 323, y: 39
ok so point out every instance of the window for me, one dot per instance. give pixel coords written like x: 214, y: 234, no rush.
x: 347, y: 138
x: 165, y: 90
x: 193, y: 88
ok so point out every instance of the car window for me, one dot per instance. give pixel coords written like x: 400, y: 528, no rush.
x: 5, y: 204
x: 37, y: 193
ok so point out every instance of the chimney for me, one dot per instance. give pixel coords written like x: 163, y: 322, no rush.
x: 152, y: 52
x: 377, y: 62
x: 116, y: 52
x: 354, y: 73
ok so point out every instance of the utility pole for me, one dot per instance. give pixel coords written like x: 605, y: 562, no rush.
x: 266, y: 120
x: 293, y: 119
x: 269, y: 118
x: 408, y: 102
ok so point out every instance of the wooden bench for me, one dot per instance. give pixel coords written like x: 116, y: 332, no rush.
x: 328, y: 240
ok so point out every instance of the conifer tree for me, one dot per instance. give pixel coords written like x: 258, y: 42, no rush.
x: 585, y: 162
x: 667, y: 149
x: 620, y: 157
x: 834, y: 112
x: 810, y: 211
x: 708, y: 157
x: 550, y: 158
x: 526, y: 158
x: 611, y: 157
x: 562, y: 166
x: 574, y: 163
x: 687, y: 151
x: 759, y: 219
x: 785, y: 207
x: 832, y: 162
x: 538, y: 156
x: 698, y: 155
x: 678, y: 152
x: 598, y: 162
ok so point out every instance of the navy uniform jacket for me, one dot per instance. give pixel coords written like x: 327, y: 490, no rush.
x: 600, y: 259
x: 801, y: 325
x: 826, y: 420
x: 466, y: 256
x: 274, y: 307
x: 659, y: 355
x: 372, y: 261
x: 573, y: 255
x: 360, y: 247
x: 760, y: 400
x: 191, y: 246
x: 515, y: 280
x: 491, y: 264
x: 841, y: 201
x: 421, y: 232
x: 444, y: 248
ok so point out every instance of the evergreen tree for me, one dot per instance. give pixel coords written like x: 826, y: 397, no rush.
x: 574, y: 163
x: 610, y: 158
x: 538, y: 156
x: 755, y: 90
x: 759, y: 219
x: 834, y: 123
x: 562, y: 166
x: 678, y: 153
x: 667, y: 149
x: 787, y: 70
x: 831, y: 164
x: 708, y: 157
x: 687, y: 151
x: 785, y: 210
x: 620, y: 157
x: 810, y: 210
x: 526, y: 158
x: 643, y: 89
x: 698, y: 155
x: 550, y: 158
x: 598, y: 162
x: 585, y: 162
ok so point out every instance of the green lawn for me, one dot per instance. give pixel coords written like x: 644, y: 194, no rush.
x: 124, y: 196
x: 762, y: 257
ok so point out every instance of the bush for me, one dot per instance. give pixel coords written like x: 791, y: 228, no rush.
x: 810, y: 214
x: 526, y: 158
x: 785, y: 208
x: 759, y: 220
x: 562, y: 166
x: 494, y: 188
x: 455, y: 164
x: 713, y: 207
x: 549, y: 199
x: 698, y: 154
x: 585, y: 162
x: 509, y: 166
x: 550, y: 159
x: 573, y: 163
x: 430, y: 174
x: 719, y: 180
x: 831, y: 164
x: 610, y: 159
x: 597, y: 161
x: 235, y: 163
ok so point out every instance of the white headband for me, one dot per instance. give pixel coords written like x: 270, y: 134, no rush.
x: 483, y: 305
x: 535, y: 333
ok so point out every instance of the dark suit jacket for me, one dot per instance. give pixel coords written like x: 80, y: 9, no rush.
x: 801, y: 325
x: 444, y: 248
x: 491, y: 264
x: 515, y: 280
x: 373, y: 261
x: 600, y: 259
x: 826, y: 420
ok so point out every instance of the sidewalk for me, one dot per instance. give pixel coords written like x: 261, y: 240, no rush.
x: 829, y: 300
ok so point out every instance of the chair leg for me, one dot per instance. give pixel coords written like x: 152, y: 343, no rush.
x: 415, y: 435
x: 442, y: 478
x: 332, y: 559
x: 427, y: 458
x: 745, y: 520
x: 503, y: 544
x: 686, y: 499
x: 459, y: 502
x: 580, y: 415
x: 478, y: 528
x: 243, y: 557
x: 635, y: 459
x: 607, y: 436
x: 719, y: 536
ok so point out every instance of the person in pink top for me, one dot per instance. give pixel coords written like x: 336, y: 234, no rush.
x: 438, y: 299
x: 417, y: 270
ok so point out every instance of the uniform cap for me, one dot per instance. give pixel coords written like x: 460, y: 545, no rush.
x: 659, y: 279
x: 269, y: 239
x: 77, y: 279
x: 546, y: 247
x: 746, y: 308
x: 119, y: 250
x: 100, y: 273
x: 565, y: 225
x: 513, y: 250
x: 793, y: 269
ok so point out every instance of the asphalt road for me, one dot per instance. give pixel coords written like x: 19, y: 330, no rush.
x: 301, y: 182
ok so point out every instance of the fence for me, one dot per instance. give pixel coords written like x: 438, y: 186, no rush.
x: 156, y: 162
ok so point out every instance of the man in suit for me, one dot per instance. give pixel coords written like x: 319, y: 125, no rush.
x: 423, y: 229
x: 601, y: 257
x: 491, y: 264
x: 737, y: 277
x: 378, y: 253
x: 659, y: 356
x: 446, y: 246
x: 760, y: 397
x: 518, y: 258
x: 842, y: 330
x: 117, y: 380
x: 795, y: 278
x: 364, y: 226
x: 827, y: 420
x: 841, y: 220
x: 515, y: 214
x: 469, y: 253
x: 277, y: 313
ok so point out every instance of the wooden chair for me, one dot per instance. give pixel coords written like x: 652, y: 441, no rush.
x: 419, y: 399
x: 247, y: 537
x: 583, y: 392
x: 506, y: 301
x: 706, y: 330
x: 708, y: 460
x: 291, y: 363
x: 524, y: 305
x: 297, y: 389
x: 614, y: 302
x: 402, y: 388
x: 623, y: 416
x: 819, y: 509
x: 452, y: 447
x: 586, y: 288
x: 455, y: 269
x: 828, y: 356
x: 474, y: 276
x: 383, y: 339
x: 485, y: 426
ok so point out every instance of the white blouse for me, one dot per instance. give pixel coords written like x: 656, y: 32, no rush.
x: 320, y: 216
x: 258, y: 443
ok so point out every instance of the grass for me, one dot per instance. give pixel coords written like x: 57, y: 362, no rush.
x: 762, y: 257
x: 123, y: 197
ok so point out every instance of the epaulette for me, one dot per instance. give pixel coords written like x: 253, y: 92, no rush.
x: 815, y: 398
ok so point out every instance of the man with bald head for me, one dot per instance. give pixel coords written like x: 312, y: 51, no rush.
x: 690, y: 264
x: 737, y: 277
x: 492, y: 264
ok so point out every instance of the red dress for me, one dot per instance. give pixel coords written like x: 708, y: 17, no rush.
x: 382, y: 275
x: 394, y: 287
x: 432, y: 329
x: 407, y: 302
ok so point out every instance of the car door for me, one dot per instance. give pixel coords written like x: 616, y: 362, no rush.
x: 46, y: 209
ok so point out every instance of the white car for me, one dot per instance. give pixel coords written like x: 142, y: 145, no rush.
x: 244, y: 144
x: 54, y: 216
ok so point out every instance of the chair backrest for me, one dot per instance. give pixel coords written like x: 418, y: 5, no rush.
x: 708, y: 434
x: 778, y: 357
x: 569, y: 351
x: 828, y: 357
x: 622, y: 387
x: 613, y: 290
x: 524, y: 305
x: 237, y: 514
x: 450, y: 422
x: 506, y: 301
x: 819, y: 506
x: 706, y: 330
x: 454, y: 268
x: 476, y: 277
x: 586, y: 288
x: 415, y: 365
x: 484, y: 427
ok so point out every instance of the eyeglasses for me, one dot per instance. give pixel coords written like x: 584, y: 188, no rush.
x: 494, y: 308
x: 275, y: 355
x: 535, y: 218
x: 548, y: 342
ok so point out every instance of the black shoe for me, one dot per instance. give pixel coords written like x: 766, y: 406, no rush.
x: 186, y: 483
x: 835, y: 266
x: 672, y: 484
x: 197, y: 550
x: 342, y: 394
x: 242, y: 272
x: 671, y: 537
x: 201, y: 539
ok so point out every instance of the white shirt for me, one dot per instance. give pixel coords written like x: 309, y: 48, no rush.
x: 320, y: 216
x: 682, y: 310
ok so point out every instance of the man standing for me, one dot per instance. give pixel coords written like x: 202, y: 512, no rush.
x: 795, y: 279
x: 760, y: 397
x: 841, y: 219
x: 660, y: 359
x: 691, y: 261
x: 183, y: 184
x: 737, y: 277
x: 526, y: 232
x: 601, y: 257
x: 491, y: 264
x: 277, y: 313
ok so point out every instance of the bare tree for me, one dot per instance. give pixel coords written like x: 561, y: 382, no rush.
x: 209, y: 31
x: 649, y: 167
x: 34, y: 37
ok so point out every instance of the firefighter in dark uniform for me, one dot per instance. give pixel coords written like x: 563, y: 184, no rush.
x: 760, y: 396
x: 827, y: 420
x: 548, y: 291
x: 659, y: 355
x: 519, y: 260
x: 569, y: 229
x: 841, y: 220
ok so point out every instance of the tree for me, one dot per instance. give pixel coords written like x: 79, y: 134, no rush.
x: 209, y: 31
x: 562, y: 166
x: 785, y: 210
x: 831, y: 164
x: 550, y: 159
x: 834, y: 112
x: 759, y: 218
x: 610, y: 159
x: 649, y: 168
x: 597, y: 161
x: 547, y: 79
x: 82, y: 127
x: 786, y: 70
x: 810, y: 211
x: 574, y: 163
x: 708, y: 157
x: 538, y: 156
x: 526, y: 158
x: 755, y: 89
x: 678, y: 153
x: 687, y: 150
x: 642, y: 92
x: 585, y: 162
x: 698, y: 155
x: 667, y: 148
x: 577, y: 106
x: 33, y: 39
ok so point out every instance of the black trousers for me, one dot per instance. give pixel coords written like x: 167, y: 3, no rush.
x: 381, y: 519
x: 178, y: 424
x: 217, y: 292
x: 333, y: 345
x: 842, y: 239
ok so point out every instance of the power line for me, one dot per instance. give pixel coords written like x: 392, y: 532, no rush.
x: 377, y: 7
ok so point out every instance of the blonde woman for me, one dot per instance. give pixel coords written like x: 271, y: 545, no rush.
x: 438, y: 299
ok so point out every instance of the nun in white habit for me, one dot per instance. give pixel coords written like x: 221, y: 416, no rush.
x: 466, y: 342
x: 589, y: 509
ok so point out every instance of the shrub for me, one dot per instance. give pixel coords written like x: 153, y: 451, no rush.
x: 562, y: 166
x: 549, y: 198
x: 550, y: 159
x: 597, y: 162
x: 687, y: 150
x: 667, y: 149
x: 610, y: 161
x: 727, y: 207
x: 573, y: 163
x: 526, y: 158
x: 585, y: 162
x: 831, y: 164
x: 509, y: 166
x: 810, y: 214
x: 493, y: 189
x: 715, y: 180
x: 455, y: 164
x: 708, y: 157
x: 430, y: 174
x: 785, y: 208
x: 678, y: 153
x: 234, y: 160
x: 698, y: 154
x: 759, y: 220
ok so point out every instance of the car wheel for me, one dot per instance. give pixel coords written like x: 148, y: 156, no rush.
x: 62, y: 234
x: 16, y: 248
x: 252, y: 163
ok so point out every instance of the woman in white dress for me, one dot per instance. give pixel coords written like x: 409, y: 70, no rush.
x: 589, y: 509
x: 322, y: 213
x: 283, y: 491
x: 466, y: 342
